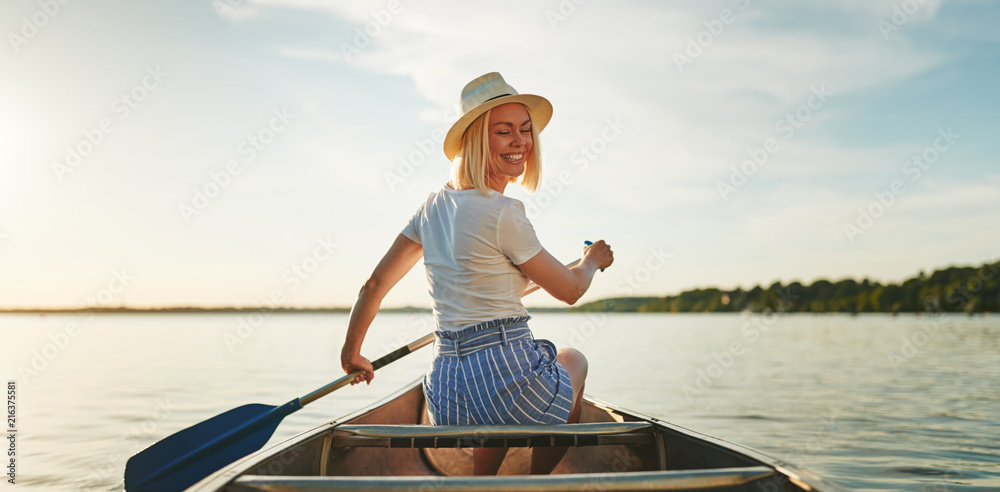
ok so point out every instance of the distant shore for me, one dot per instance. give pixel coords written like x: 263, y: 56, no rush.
x: 967, y: 290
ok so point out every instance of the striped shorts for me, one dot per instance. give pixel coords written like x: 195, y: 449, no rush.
x: 496, y: 373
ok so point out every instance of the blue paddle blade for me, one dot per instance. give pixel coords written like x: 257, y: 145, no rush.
x: 182, y: 459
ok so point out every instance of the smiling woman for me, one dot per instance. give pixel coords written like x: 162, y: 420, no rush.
x: 480, y: 251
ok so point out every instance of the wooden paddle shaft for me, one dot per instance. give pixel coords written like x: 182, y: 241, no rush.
x: 394, y: 356
x: 377, y: 364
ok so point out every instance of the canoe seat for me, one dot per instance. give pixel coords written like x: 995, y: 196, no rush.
x: 609, y: 482
x: 492, y: 436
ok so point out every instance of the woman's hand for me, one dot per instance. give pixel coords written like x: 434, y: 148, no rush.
x: 599, y: 253
x: 351, y: 362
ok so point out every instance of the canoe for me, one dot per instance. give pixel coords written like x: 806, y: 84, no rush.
x: 389, y: 446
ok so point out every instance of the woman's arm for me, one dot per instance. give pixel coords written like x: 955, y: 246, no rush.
x: 568, y: 284
x: 400, y: 258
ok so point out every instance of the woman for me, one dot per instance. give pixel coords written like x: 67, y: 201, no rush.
x: 480, y: 251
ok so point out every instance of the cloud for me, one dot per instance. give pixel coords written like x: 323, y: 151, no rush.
x: 617, y: 60
x: 687, y: 125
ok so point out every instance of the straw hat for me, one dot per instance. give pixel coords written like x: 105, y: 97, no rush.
x: 487, y: 92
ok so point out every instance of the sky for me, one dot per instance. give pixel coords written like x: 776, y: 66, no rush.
x: 267, y: 152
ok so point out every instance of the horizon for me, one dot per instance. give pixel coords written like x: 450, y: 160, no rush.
x: 206, y: 153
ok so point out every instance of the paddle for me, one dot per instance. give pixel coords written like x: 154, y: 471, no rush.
x: 189, y: 455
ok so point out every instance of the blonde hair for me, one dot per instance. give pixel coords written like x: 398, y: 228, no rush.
x: 472, y: 165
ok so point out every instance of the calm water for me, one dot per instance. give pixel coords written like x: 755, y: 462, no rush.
x: 871, y: 403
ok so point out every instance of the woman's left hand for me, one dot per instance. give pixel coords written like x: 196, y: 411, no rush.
x: 355, y: 362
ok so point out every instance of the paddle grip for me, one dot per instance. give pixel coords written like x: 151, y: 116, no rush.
x: 588, y: 243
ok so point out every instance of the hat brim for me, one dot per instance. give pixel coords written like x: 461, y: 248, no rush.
x: 539, y: 108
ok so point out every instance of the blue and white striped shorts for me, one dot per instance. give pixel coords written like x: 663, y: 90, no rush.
x: 496, y: 373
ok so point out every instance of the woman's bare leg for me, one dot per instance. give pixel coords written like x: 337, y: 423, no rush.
x: 544, y: 460
x: 487, y: 461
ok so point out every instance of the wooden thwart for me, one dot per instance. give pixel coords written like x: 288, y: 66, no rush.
x: 610, y: 482
x: 508, y: 436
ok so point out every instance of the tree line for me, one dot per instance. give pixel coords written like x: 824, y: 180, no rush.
x: 955, y: 290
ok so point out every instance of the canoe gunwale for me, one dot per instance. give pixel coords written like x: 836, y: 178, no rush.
x: 494, y: 431
x: 608, y: 482
x: 494, y: 436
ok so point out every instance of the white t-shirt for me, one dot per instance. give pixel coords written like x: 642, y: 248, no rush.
x: 471, y: 245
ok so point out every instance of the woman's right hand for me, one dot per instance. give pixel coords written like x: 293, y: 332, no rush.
x: 351, y: 362
x: 599, y: 253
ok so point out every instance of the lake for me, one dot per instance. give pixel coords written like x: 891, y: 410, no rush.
x: 869, y: 402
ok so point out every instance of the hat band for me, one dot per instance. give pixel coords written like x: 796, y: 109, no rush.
x: 497, y: 97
